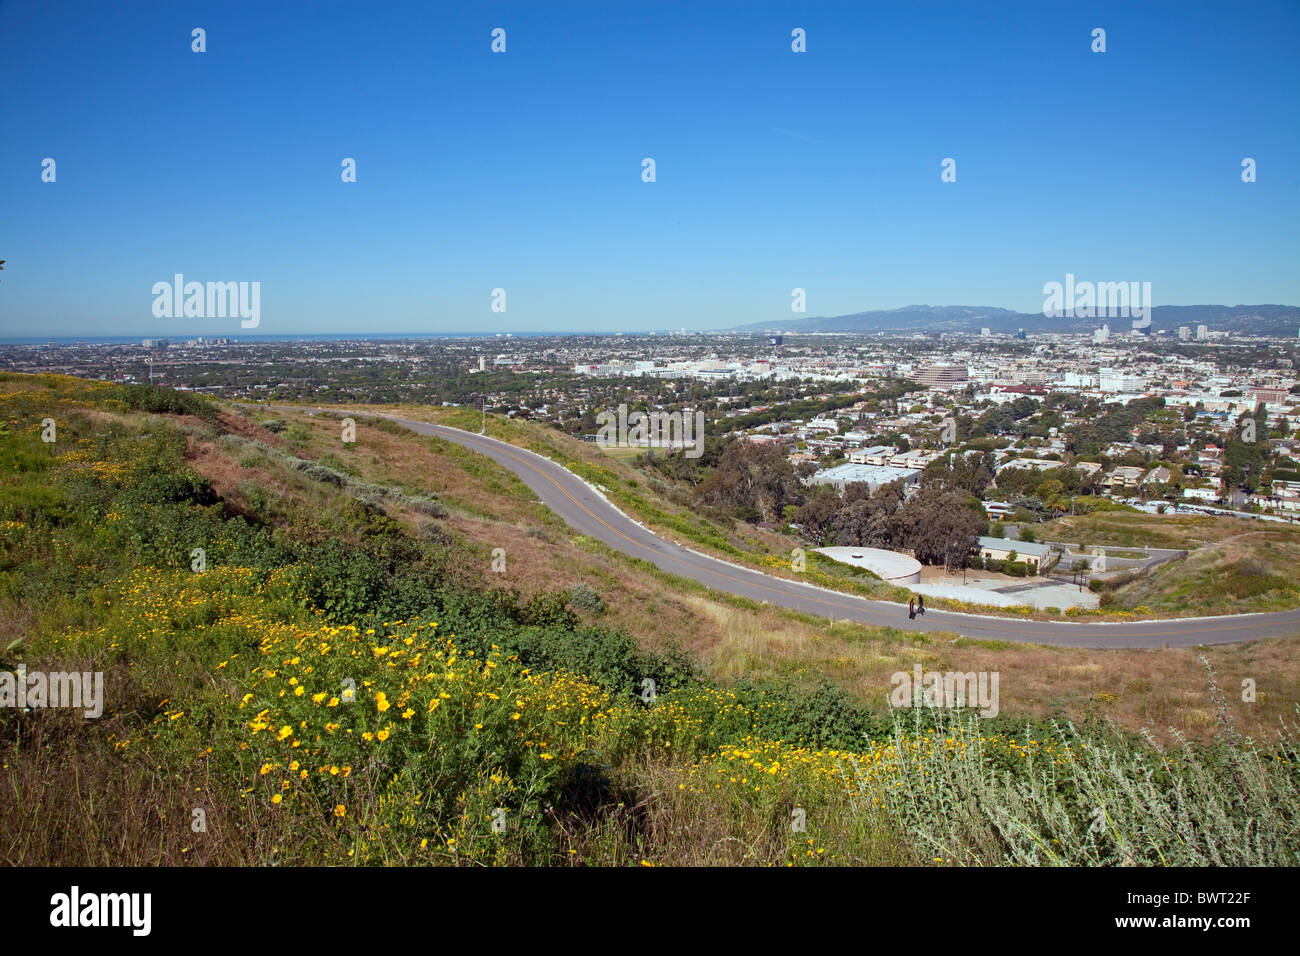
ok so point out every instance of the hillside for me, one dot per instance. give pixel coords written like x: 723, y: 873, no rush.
x: 339, y: 676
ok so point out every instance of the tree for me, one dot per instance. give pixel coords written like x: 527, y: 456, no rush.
x: 967, y: 472
x: 938, y: 526
x: 754, y: 481
x: 1051, y: 492
x: 942, y: 526
x: 816, y: 515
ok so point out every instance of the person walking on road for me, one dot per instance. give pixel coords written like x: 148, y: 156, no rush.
x: 911, y: 608
x: 920, y: 604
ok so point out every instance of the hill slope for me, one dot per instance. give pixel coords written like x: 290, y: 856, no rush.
x: 301, y: 647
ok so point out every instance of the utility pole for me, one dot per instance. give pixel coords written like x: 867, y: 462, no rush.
x: 483, y: 430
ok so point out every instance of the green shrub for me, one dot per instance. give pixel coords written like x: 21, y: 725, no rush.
x: 585, y: 599
x: 166, y: 401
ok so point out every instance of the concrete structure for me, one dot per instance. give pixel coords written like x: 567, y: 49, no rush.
x: 887, y: 565
x: 1039, y: 594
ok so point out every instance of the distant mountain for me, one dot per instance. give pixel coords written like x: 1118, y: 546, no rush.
x: 1250, y: 319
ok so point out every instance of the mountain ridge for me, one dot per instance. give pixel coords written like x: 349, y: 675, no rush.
x: 1242, y: 319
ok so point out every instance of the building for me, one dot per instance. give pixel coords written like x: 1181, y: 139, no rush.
x: 1269, y: 394
x: 1081, y: 380
x: 1033, y: 464
x: 1202, y: 333
x: 1184, y: 333
x: 822, y: 425
x: 1101, y: 335
x: 998, y: 509
x: 875, y: 455
x: 1125, y: 476
x: 1021, y: 377
x: 941, y: 376
x: 1038, y: 557
x: 916, y: 458
x: 873, y: 476
x: 1116, y: 380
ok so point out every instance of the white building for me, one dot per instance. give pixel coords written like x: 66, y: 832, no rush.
x: 1081, y: 380
x: 1117, y: 380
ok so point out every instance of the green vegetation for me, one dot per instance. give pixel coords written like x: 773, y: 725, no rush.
x: 331, y: 688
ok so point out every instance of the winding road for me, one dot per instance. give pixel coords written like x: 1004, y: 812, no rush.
x: 588, y: 512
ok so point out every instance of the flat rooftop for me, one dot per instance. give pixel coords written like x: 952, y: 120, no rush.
x: 870, y: 474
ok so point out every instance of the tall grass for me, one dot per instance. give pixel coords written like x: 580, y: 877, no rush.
x: 1089, y: 800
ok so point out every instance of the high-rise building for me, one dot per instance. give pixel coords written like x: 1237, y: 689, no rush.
x: 939, y: 375
x: 1102, y: 334
x: 1202, y: 332
x: 1184, y: 333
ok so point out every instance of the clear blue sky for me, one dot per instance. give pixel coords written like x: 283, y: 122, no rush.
x: 523, y: 170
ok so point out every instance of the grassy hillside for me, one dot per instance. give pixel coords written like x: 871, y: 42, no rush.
x: 1154, y: 691
x: 344, y: 679
x: 1233, y: 566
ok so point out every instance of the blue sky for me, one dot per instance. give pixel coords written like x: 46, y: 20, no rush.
x: 522, y: 170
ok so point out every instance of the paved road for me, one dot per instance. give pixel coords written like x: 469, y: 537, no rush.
x: 589, y: 513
